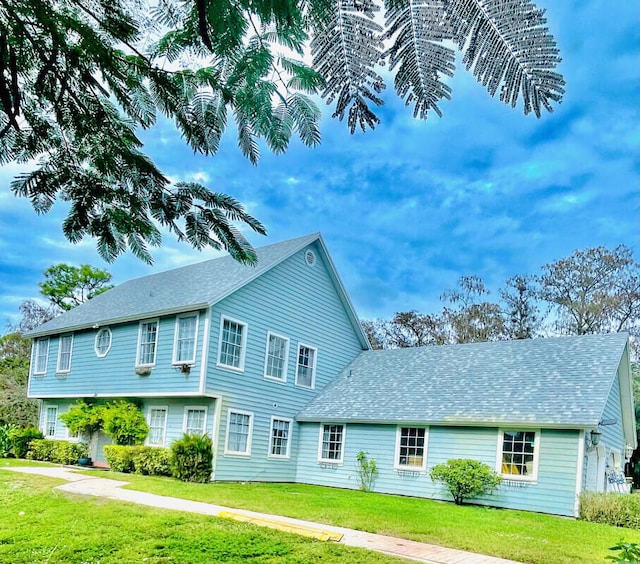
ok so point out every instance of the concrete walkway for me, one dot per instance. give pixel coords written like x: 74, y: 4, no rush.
x: 105, y: 487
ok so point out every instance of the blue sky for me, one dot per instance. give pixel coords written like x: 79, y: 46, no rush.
x: 410, y: 207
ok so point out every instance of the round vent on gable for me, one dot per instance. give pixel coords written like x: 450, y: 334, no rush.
x: 310, y: 257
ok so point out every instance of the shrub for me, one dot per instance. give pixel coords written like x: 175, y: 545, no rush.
x: 466, y: 478
x: 60, y: 452
x: 119, y: 457
x: 619, y: 510
x: 5, y: 439
x: 83, y: 419
x: 125, y: 423
x: 21, y: 438
x: 151, y: 461
x: 192, y: 458
x: 367, y: 471
x: 628, y: 553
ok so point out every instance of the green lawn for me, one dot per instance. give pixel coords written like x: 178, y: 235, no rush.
x: 41, y: 525
x: 516, y: 535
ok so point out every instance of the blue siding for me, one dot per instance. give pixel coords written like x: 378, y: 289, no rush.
x: 613, y: 435
x: 553, y: 492
x: 114, y: 374
x: 295, y: 301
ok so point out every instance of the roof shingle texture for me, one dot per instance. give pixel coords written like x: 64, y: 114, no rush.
x: 195, y: 285
x: 562, y: 381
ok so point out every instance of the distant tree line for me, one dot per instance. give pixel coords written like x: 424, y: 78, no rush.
x: 596, y: 290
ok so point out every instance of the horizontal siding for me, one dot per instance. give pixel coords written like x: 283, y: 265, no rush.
x: 554, y: 492
x: 115, y: 374
x: 297, y: 302
x: 613, y: 435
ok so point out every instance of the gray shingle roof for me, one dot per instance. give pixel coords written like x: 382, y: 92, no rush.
x: 562, y: 382
x: 189, y: 287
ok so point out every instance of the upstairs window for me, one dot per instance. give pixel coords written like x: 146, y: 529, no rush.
x: 184, y: 348
x: 239, y: 426
x: 102, y: 344
x: 233, y: 336
x: 410, y: 449
x: 64, y: 353
x: 518, y: 454
x: 275, y: 365
x: 195, y: 420
x: 306, y: 369
x: 41, y: 356
x: 147, y: 343
x: 331, y: 443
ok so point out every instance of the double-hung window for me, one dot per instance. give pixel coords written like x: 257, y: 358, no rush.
x: 306, y: 368
x: 275, y: 364
x: 65, y: 347
x: 50, y: 422
x: 518, y: 452
x: 184, y: 347
x: 239, y: 427
x: 233, y: 336
x: 147, y: 343
x: 411, y: 448
x: 331, y: 448
x: 195, y: 420
x: 157, y: 421
x: 280, y: 437
x: 41, y: 356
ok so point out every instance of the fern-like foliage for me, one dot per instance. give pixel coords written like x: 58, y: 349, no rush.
x: 79, y: 78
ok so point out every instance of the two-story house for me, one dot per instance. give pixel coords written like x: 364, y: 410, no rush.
x: 217, y: 347
x: 272, y: 363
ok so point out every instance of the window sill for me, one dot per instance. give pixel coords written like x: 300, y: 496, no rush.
x: 239, y: 454
x: 237, y: 370
x: 275, y: 380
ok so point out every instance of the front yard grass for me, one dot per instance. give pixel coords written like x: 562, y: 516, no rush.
x: 515, y: 535
x: 41, y: 525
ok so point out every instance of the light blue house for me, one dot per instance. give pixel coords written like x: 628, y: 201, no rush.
x: 272, y: 363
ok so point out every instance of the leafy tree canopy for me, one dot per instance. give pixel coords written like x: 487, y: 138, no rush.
x: 79, y: 78
x: 68, y: 286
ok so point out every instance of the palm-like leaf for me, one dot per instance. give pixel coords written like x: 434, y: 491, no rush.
x: 419, y: 27
x: 346, y: 46
x: 508, y: 47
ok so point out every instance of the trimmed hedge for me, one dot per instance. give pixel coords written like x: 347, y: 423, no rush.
x: 619, y: 510
x: 146, y: 460
x: 192, y: 458
x: 60, y: 452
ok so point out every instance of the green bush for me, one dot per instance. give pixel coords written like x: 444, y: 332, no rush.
x: 146, y: 460
x: 83, y: 418
x: 152, y: 461
x: 626, y: 553
x: 5, y: 439
x: 124, y: 423
x: 192, y: 458
x: 619, y: 510
x: 119, y: 457
x: 60, y: 452
x: 367, y: 471
x: 21, y: 438
x: 466, y: 478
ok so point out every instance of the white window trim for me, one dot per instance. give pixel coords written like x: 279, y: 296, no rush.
x: 313, y: 368
x: 66, y: 370
x: 36, y: 354
x: 95, y: 342
x: 227, y: 450
x: 164, y: 430
x: 191, y: 360
x: 280, y: 456
x: 285, y: 367
x: 155, y: 348
x: 45, y: 421
x: 533, y: 477
x: 188, y: 408
x: 243, y: 344
x: 337, y: 461
x: 396, y: 459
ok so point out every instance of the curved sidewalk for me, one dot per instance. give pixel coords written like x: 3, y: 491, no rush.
x: 105, y: 487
